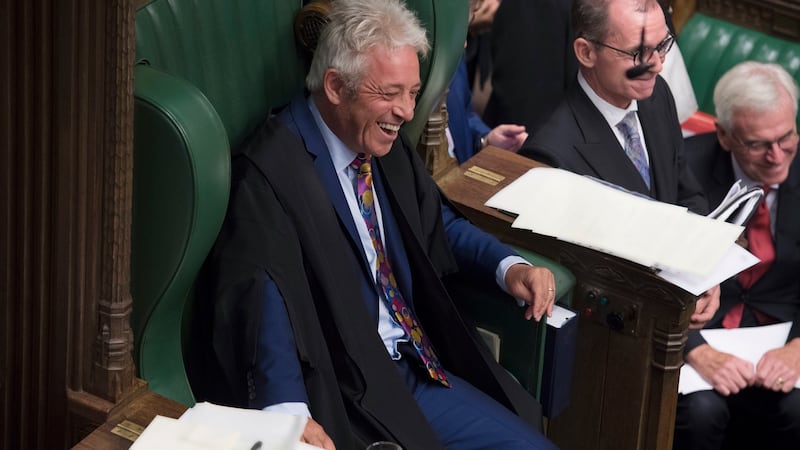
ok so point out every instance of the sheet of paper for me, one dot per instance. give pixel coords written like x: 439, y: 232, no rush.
x: 206, y: 426
x: 748, y: 343
x: 738, y: 205
x: 560, y: 316
x: 586, y: 212
x: 735, y: 260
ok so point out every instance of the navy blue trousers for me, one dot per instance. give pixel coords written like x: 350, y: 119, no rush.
x: 465, y: 418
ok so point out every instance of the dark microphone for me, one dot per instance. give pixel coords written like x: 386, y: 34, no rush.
x: 639, y: 69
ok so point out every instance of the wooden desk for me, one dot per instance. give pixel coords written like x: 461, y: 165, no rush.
x: 141, y: 412
x: 632, y: 326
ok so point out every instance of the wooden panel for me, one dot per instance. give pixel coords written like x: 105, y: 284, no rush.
x: 632, y: 326
x: 29, y: 376
x: 779, y: 18
x: 140, y: 412
x: 65, y: 200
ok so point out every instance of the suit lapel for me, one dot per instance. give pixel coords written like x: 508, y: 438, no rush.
x: 601, y: 149
x: 300, y: 119
x: 395, y: 173
x: 722, y: 174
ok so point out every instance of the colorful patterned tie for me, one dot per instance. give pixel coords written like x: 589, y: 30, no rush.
x: 402, y: 313
x: 633, y: 145
x: 759, y: 242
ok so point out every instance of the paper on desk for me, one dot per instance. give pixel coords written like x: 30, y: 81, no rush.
x: 736, y: 259
x: 749, y: 343
x: 586, y: 212
x: 560, y: 316
x: 209, y: 426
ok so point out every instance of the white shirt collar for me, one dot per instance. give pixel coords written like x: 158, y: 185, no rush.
x: 611, y: 113
x: 341, y: 156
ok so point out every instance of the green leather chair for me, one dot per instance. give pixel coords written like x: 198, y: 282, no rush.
x: 208, y: 73
x: 518, y: 344
x: 711, y: 46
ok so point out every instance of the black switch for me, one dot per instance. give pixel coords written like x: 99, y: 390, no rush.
x: 615, y: 321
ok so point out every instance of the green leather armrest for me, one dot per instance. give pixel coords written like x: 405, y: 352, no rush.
x: 500, y: 319
x: 181, y: 184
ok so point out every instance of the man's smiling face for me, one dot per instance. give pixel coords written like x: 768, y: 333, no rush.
x: 368, y: 120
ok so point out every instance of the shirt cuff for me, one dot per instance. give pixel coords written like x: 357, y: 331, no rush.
x: 293, y: 408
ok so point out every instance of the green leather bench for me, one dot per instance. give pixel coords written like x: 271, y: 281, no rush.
x: 208, y: 73
x: 711, y: 46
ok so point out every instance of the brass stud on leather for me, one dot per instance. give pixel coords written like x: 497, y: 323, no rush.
x: 309, y: 21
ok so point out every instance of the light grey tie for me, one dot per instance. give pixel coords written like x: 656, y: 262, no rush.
x: 633, y: 145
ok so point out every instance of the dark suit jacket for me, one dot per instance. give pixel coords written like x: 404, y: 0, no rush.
x: 777, y: 293
x: 577, y: 138
x: 533, y: 61
x: 292, y: 288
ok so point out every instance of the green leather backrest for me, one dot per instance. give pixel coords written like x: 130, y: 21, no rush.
x: 181, y: 183
x: 446, y: 22
x: 242, y: 53
x: 711, y: 46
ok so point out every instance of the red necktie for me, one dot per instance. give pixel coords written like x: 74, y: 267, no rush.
x: 397, y: 305
x: 759, y: 242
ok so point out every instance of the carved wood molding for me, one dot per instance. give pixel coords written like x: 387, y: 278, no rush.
x: 779, y: 18
x: 113, y: 371
x: 432, y: 146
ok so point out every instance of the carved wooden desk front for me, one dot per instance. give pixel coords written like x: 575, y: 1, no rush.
x: 632, y: 326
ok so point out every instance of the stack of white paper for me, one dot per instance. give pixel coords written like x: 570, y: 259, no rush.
x: 209, y: 426
x: 689, y: 250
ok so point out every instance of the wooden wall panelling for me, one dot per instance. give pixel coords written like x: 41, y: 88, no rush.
x: 779, y: 18
x: 65, y: 205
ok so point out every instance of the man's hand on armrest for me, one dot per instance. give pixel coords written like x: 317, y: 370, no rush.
x: 534, y: 285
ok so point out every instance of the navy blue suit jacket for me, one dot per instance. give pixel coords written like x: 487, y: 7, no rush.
x: 279, y: 378
x: 293, y: 301
x: 466, y: 126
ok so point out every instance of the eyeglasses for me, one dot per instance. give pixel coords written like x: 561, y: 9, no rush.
x: 641, y: 57
x: 787, y: 143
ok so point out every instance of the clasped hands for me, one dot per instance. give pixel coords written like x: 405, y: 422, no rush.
x: 778, y: 370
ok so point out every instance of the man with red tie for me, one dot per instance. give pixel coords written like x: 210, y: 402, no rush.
x: 751, y: 406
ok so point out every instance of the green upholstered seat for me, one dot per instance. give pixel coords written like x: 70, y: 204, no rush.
x: 711, y: 46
